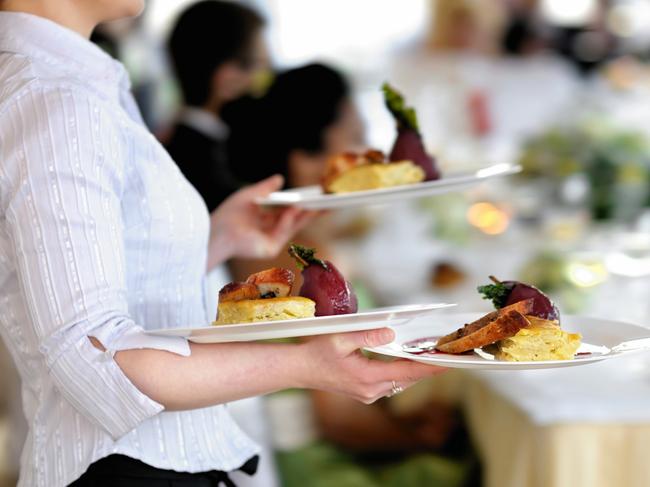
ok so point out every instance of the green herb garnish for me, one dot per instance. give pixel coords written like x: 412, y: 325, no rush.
x: 497, y: 293
x: 305, y: 256
x: 403, y: 115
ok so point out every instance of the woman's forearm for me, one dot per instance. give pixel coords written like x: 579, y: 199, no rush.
x: 220, y: 373
x: 213, y: 373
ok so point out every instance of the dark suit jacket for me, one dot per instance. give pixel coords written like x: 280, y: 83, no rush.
x: 204, y: 162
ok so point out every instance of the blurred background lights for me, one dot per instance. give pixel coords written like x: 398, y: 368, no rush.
x: 569, y: 12
x: 629, y: 18
x: 586, y: 273
x: 488, y: 218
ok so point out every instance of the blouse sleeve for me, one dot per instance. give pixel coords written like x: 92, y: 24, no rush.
x: 62, y: 174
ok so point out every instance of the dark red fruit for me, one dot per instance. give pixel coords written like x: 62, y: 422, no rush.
x: 505, y: 293
x: 324, y: 284
x: 543, y: 307
x: 408, y: 146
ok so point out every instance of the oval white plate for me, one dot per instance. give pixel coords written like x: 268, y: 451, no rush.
x: 313, y: 198
x: 322, y: 325
x: 596, y: 334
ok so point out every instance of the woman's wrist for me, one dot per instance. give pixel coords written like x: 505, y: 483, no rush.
x: 299, y: 372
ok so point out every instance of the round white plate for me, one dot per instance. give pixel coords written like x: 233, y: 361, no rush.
x: 598, y: 335
x: 313, y: 198
x: 267, y: 330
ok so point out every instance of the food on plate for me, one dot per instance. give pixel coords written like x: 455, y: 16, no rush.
x: 541, y: 340
x: 323, y: 283
x: 489, y: 329
x: 350, y: 172
x: 272, y: 283
x: 525, y: 327
x: 265, y: 309
x: 265, y: 296
x: 238, y: 291
x: 504, y: 293
x: 408, y: 144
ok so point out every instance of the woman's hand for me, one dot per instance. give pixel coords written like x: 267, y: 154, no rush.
x: 239, y: 227
x: 334, y: 363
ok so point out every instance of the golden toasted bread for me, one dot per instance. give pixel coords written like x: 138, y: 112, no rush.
x: 339, y: 164
x: 270, y: 309
x: 541, y: 340
x: 358, y: 172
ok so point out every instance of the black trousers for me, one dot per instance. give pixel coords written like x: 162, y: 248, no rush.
x: 123, y: 471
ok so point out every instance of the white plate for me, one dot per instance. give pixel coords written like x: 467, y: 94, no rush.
x: 596, y: 334
x: 267, y: 330
x: 313, y: 198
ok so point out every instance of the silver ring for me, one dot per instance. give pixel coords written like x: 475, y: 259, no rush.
x: 396, y: 389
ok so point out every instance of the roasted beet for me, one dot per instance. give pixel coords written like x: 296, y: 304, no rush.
x: 505, y: 293
x: 408, y: 145
x: 324, y: 284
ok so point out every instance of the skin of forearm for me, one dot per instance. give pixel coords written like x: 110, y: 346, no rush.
x: 214, y: 373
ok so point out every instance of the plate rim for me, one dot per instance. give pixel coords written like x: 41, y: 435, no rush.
x: 448, y: 360
x: 414, y: 307
x: 458, y: 179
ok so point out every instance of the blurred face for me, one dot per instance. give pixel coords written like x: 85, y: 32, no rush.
x: 107, y: 10
x: 79, y: 15
x: 345, y: 134
x: 236, y: 78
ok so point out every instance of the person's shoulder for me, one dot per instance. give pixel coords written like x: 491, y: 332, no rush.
x: 24, y: 81
x: 16, y: 76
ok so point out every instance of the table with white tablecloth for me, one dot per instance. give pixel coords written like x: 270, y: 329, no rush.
x: 584, y: 426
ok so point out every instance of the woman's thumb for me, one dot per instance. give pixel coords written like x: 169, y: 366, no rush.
x: 369, y: 338
x: 266, y: 186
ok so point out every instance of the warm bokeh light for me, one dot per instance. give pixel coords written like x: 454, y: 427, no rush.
x: 586, y: 273
x: 488, y: 218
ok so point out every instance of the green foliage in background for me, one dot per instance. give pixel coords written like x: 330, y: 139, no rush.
x: 323, y: 465
x: 616, y: 164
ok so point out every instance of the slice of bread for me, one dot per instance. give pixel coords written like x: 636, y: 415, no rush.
x: 375, y: 176
x: 541, y: 340
x: 271, y: 309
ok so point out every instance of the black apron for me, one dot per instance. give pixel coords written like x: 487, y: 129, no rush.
x: 123, y: 471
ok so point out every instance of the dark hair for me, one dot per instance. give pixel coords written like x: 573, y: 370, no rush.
x: 293, y: 115
x: 206, y: 35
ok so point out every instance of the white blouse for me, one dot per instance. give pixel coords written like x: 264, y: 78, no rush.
x: 100, y: 235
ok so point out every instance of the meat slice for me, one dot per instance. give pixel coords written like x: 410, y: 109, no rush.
x: 491, y: 328
x: 275, y: 282
x: 238, y: 291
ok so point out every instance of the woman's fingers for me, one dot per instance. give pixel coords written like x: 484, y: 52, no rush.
x: 348, y: 343
x: 401, y: 371
x: 263, y: 188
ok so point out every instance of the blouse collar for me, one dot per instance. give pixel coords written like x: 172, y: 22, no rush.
x: 61, y: 48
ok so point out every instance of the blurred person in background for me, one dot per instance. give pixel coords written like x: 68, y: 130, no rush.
x: 306, y: 116
x: 217, y: 52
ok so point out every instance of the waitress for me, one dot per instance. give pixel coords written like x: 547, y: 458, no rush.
x: 101, y: 238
